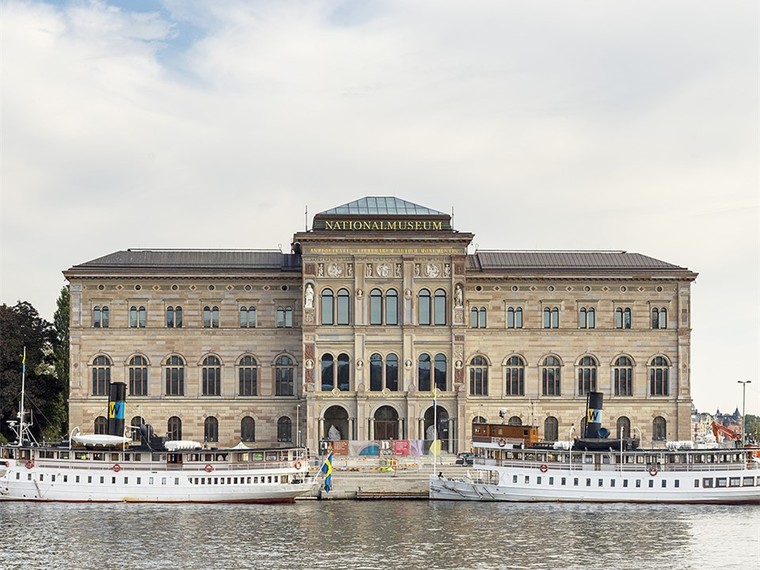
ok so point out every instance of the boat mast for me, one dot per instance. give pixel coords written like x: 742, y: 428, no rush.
x: 21, y: 414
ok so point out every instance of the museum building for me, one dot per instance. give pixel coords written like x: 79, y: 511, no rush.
x: 377, y: 315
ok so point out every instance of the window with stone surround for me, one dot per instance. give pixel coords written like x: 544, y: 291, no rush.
x: 210, y: 317
x: 138, y: 376
x: 659, y: 429
x: 659, y: 318
x: 174, y: 429
x: 515, y: 376
x: 248, y: 371
x: 587, y: 368
x: 284, y: 372
x: 175, y: 375
x: 101, y: 375
x: 478, y: 376
x: 514, y: 317
x: 478, y: 317
x: 284, y: 318
x: 100, y: 317
x: 551, y: 429
x: 211, y: 429
x: 247, y: 317
x: 587, y: 318
x: 211, y: 376
x: 551, y: 376
x: 623, y: 318
x: 423, y: 373
x: 658, y: 376
x: 622, y: 372
x: 174, y: 317
x: 551, y: 317
x: 247, y: 429
x: 440, y: 372
x: 101, y: 426
x: 138, y: 317
x: 284, y: 429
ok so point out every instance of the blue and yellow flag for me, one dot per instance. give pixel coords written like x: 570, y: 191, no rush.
x: 327, y: 470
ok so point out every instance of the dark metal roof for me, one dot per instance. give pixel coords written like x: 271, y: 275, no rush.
x: 553, y: 260
x: 193, y: 259
x: 381, y: 206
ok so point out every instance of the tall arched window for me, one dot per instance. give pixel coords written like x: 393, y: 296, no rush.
x: 478, y: 376
x: 134, y: 427
x: 659, y: 429
x: 623, y: 318
x: 376, y: 372
x: 551, y: 317
x: 391, y: 307
x: 551, y: 429
x: 328, y: 372
x: 211, y: 317
x: 440, y: 371
x: 344, y: 314
x: 376, y: 307
x: 391, y: 372
x: 138, y: 317
x: 101, y: 375
x: 248, y: 372
x: 211, y: 373
x: 284, y: 429
x: 175, y: 376
x: 423, y: 373
x: 138, y: 376
x: 515, y: 373
x: 174, y: 429
x: 658, y: 377
x: 586, y: 375
x: 623, y: 426
x: 423, y: 307
x: 344, y: 369
x: 101, y: 425
x: 659, y: 318
x: 551, y: 377
x: 247, y: 429
x: 284, y: 372
x: 248, y: 317
x: 623, y: 373
x: 478, y: 317
x: 514, y: 318
x: 587, y: 318
x: 174, y: 317
x: 439, y: 307
x: 211, y: 429
x: 327, y: 306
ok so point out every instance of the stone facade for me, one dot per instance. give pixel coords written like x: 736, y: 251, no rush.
x: 378, y: 303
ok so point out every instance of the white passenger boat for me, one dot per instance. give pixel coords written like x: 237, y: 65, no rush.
x: 511, y: 465
x: 107, y: 469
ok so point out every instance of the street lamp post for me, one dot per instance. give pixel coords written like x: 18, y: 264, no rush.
x: 298, y: 425
x: 744, y: 392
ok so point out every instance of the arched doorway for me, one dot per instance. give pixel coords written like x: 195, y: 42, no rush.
x: 386, y: 423
x: 336, y: 424
x: 442, y: 418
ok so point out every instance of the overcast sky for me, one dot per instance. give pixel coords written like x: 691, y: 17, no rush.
x: 544, y: 125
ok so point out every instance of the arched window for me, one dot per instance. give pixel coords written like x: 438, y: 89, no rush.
x: 658, y: 377
x: 376, y: 307
x: 659, y: 318
x: 391, y: 372
x: 284, y: 319
x: 174, y: 429
x: 423, y: 373
x: 586, y: 375
x: 479, y: 420
x: 551, y: 429
x: 659, y: 429
x: 101, y: 375
x: 551, y: 317
x: 478, y: 376
x: 284, y: 429
x: 551, y: 377
x: 134, y: 427
x: 138, y: 376
x: 328, y: 302
x: 440, y: 307
x: 247, y: 429
x: 344, y: 314
x: 284, y: 372
x: 175, y: 376
x: 247, y: 317
x: 138, y: 317
x: 211, y: 317
x: 587, y: 318
x: 100, y: 317
x: 391, y: 307
x: 623, y: 373
x: 174, y: 317
x: 623, y: 318
x: 478, y: 317
x: 514, y: 318
x: 344, y: 369
x: 211, y: 429
x: 514, y: 421
x: 623, y: 427
x: 376, y: 372
x: 101, y: 426
x: 248, y: 372
x: 211, y: 373
x: 423, y: 307
x: 515, y: 372
x: 440, y: 371
x: 328, y: 372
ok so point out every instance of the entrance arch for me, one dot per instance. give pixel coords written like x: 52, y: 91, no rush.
x: 442, y: 418
x: 336, y: 417
x: 386, y: 423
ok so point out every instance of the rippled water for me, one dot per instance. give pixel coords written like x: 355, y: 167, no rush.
x: 378, y: 534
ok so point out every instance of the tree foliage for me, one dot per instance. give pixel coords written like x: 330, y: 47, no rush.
x: 22, y: 327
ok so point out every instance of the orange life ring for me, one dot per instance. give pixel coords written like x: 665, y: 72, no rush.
x: 544, y: 468
x: 502, y: 442
x: 297, y: 464
x: 116, y: 467
x: 653, y: 470
x: 208, y: 468
x: 29, y: 464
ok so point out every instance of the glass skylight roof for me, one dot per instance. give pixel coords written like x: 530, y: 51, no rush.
x: 382, y: 205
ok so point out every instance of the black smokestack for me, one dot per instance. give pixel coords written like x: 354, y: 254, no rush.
x: 116, y: 397
x: 593, y: 414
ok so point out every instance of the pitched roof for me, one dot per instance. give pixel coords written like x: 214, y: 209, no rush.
x: 192, y: 259
x: 381, y: 206
x: 562, y: 260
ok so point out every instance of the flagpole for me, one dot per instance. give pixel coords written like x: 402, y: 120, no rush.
x: 21, y: 403
x: 435, y: 428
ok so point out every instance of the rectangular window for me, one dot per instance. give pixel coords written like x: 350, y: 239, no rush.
x: 721, y: 482
x: 748, y: 482
x: 612, y: 482
x: 707, y: 482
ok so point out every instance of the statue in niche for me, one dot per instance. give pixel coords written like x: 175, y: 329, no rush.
x: 321, y: 269
x: 333, y: 434
x: 447, y: 270
x: 369, y: 270
x: 458, y: 296
x: 309, y: 296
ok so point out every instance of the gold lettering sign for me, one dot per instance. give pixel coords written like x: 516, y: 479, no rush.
x: 386, y: 250
x: 384, y: 225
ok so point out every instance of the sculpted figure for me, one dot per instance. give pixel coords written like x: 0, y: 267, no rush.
x: 458, y: 300
x: 333, y: 433
x: 309, y: 296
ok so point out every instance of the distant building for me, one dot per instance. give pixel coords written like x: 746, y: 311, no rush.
x: 378, y: 304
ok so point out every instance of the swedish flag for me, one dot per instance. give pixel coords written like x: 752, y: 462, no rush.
x: 327, y: 470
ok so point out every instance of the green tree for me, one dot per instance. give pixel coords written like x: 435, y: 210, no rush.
x: 752, y: 426
x: 22, y: 327
x: 60, y: 419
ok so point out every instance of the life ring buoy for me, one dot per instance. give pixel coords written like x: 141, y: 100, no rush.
x: 297, y: 464
x: 116, y: 467
x: 544, y: 468
x: 208, y: 468
x: 393, y: 463
x: 29, y: 464
x: 653, y: 470
x: 502, y: 442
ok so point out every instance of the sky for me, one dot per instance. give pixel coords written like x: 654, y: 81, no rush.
x: 543, y: 125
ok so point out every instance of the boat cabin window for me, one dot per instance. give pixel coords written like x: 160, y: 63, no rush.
x: 734, y: 482
x: 721, y: 482
x: 707, y: 482
x: 748, y: 482
x: 638, y: 483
